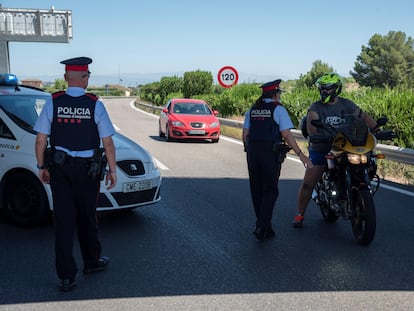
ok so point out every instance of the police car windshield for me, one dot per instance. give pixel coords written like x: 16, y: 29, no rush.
x: 23, y: 109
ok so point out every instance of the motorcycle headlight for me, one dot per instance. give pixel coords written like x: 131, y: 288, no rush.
x: 354, y: 158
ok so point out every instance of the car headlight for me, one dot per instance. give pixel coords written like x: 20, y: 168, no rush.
x: 354, y: 158
x: 154, y: 164
x: 214, y: 124
x: 177, y: 123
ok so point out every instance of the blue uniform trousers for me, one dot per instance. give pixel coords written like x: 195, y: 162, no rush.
x: 264, y: 171
x: 74, y: 203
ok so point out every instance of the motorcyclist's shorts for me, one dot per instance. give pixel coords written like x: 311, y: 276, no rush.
x: 317, y: 157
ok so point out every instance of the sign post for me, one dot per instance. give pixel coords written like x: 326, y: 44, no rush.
x: 227, y: 76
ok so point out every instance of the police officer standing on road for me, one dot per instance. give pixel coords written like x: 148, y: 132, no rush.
x: 75, y: 122
x: 266, y: 129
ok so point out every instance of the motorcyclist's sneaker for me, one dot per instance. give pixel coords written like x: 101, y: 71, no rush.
x: 298, y: 221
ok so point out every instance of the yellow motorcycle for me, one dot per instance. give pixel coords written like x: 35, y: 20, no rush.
x: 346, y: 188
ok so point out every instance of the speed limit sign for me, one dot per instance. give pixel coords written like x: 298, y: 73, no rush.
x: 227, y: 76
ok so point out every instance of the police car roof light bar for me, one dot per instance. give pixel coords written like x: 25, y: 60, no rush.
x: 8, y: 79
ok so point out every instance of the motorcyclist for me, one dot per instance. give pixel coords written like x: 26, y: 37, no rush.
x: 333, y: 111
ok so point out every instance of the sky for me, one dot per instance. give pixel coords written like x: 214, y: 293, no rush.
x: 259, y: 38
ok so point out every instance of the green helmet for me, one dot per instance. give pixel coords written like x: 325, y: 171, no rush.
x: 329, y: 81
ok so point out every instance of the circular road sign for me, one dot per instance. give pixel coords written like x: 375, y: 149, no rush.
x: 227, y: 76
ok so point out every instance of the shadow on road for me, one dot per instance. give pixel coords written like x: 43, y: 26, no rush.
x: 198, y: 240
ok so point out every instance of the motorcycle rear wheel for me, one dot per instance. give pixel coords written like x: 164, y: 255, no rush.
x: 364, y: 218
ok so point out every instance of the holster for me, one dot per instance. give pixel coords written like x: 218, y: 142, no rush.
x: 98, y: 164
x: 281, y: 149
x: 53, y: 157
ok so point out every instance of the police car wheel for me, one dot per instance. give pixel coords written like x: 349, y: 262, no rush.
x: 26, y: 202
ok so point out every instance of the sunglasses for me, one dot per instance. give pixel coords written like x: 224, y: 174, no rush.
x: 86, y: 75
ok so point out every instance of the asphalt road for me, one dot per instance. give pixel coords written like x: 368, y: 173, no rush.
x: 194, y: 250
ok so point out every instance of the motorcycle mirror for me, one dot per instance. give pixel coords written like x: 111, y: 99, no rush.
x: 382, y: 121
x: 317, y: 123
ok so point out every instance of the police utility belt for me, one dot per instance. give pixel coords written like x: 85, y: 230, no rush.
x: 279, y: 148
x: 97, y: 163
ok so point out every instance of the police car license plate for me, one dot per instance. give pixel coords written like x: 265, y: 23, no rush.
x: 196, y: 132
x: 136, y: 186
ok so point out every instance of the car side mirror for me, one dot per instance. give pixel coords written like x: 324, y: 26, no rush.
x: 215, y: 112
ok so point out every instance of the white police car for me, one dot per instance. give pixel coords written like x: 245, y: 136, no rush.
x: 24, y: 199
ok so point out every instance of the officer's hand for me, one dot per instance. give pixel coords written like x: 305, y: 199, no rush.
x: 110, y: 181
x: 305, y: 160
x: 44, y: 176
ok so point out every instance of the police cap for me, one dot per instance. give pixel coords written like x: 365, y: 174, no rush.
x: 271, y: 86
x: 77, y: 63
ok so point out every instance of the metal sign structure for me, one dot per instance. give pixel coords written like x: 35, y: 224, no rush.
x: 32, y: 25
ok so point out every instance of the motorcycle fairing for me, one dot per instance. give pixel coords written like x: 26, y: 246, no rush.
x: 342, y: 143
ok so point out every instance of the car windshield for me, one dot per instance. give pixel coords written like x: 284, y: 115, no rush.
x: 23, y: 109
x: 191, y: 108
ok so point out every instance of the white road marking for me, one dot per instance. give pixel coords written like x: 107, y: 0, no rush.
x: 161, y: 166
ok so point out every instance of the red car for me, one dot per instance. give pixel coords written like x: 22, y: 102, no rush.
x: 184, y: 118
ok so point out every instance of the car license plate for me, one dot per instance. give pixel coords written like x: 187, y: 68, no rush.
x: 197, y: 132
x: 136, y: 186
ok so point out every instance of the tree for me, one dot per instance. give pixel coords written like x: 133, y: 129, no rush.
x: 386, y: 61
x: 60, y: 85
x: 197, y: 83
x: 150, y: 91
x: 170, y: 85
x: 318, y: 69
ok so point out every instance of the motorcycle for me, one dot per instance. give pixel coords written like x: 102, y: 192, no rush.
x: 350, y: 180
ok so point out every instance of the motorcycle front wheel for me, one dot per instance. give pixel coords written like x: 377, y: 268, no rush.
x: 327, y: 213
x: 364, y: 216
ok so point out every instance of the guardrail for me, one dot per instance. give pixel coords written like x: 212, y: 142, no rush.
x: 393, y: 153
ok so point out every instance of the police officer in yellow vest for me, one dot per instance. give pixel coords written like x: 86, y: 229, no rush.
x: 266, y: 131
x: 75, y: 122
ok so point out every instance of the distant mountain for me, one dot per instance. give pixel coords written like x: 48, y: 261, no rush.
x: 135, y: 79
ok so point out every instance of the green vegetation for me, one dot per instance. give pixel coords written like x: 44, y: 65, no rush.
x: 108, y: 90
x: 396, y: 104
